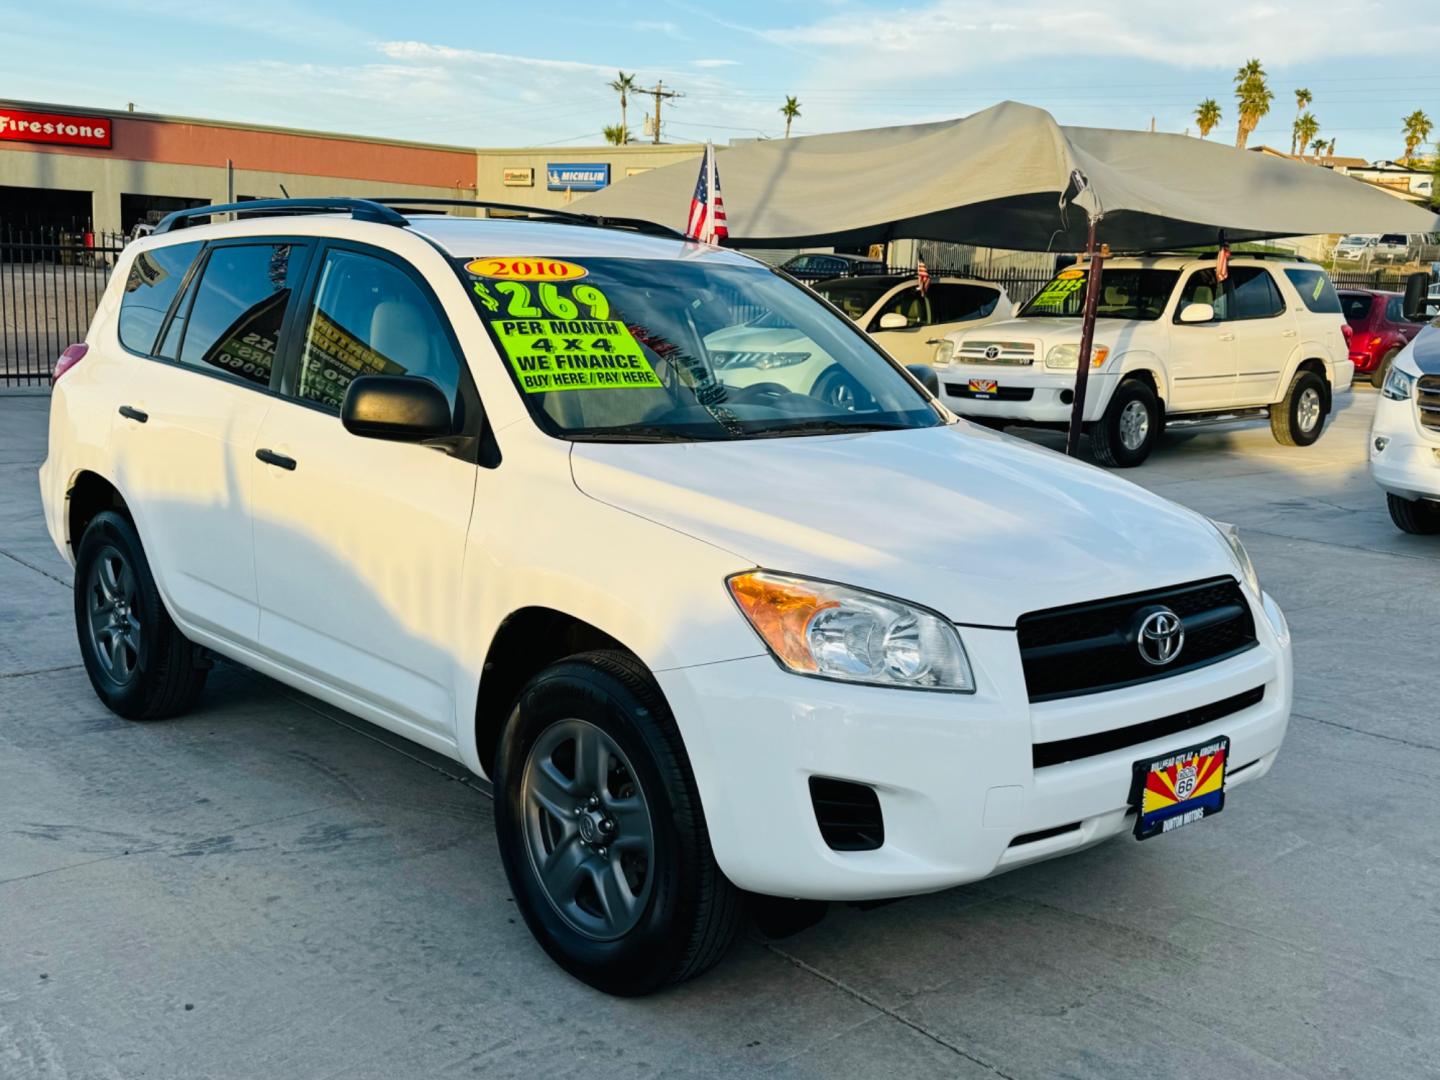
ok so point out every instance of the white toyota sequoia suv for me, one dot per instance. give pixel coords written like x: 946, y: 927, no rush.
x: 1172, y: 342
x: 482, y: 483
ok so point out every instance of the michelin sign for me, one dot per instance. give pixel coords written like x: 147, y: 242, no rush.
x: 577, y: 177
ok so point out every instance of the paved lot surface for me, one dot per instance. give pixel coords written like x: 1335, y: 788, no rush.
x: 268, y: 889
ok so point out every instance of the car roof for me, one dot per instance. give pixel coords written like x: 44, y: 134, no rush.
x: 1185, y: 262
x: 891, y: 280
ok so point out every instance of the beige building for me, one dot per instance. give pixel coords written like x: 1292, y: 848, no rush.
x: 551, y: 177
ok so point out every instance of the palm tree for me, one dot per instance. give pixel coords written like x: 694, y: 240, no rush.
x: 623, y: 86
x: 1320, y: 146
x: 1303, y: 97
x: 790, y: 110
x: 1417, y: 130
x: 616, y: 134
x: 1303, y: 132
x: 1254, y: 96
x: 1207, y: 115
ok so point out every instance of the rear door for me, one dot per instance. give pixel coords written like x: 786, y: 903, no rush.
x: 1201, y: 357
x: 191, y: 408
x: 1266, y: 335
x: 359, y: 542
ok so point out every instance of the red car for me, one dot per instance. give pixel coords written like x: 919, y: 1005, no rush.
x: 1378, y: 330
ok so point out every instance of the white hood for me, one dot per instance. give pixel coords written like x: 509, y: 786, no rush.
x: 979, y: 526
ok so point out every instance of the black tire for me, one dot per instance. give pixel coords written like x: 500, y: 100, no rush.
x: 1293, y: 419
x: 685, y: 914
x: 1125, y: 435
x: 1419, y: 518
x: 838, y: 388
x: 155, y: 672
x: 1382, y: 369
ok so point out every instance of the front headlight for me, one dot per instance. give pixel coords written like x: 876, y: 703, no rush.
x: 1397, y: 385
x: 1067, y: 357
x: 815, y: 628
x: 944, y: 352
x: 1242, y: 557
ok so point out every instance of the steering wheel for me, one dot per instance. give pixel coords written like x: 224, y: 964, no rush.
x: 764, y: 393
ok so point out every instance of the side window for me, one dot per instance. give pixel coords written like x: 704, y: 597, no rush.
x: 1202, y: 288
x: 370, y: 318
x: 1395, y: 309
x: 1317, y: 293
x: 154, y: 279
x: 238, y: 308
x: 957, y: 303
x: 907, y: 302
x: 1253, y: 294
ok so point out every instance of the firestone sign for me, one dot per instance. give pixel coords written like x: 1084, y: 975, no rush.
x: 18, y: 125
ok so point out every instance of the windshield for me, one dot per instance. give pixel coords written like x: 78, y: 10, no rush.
x: 854, y: 296
x: 1125, y: 293
x: 681, y: 350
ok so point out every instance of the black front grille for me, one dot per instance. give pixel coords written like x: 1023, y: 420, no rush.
x: 1427, y: 401
x: 1090, y: 647
x: 1000, y: 393
x: 848, y: 814
x: 1102, y: 742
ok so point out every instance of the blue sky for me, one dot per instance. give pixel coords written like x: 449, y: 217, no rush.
x: 533, y: 73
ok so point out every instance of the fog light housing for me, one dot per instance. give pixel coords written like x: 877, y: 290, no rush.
x: 1380, y: 443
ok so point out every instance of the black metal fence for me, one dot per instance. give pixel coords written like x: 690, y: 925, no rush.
x: 50, y: 284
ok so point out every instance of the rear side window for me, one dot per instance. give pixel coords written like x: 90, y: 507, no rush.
x: 956, y: 303
x: 1395, y: 309
x: 1355, y: 306
x: 370, y: 318
x: 155, y: 277
x: 234, y: 320
x: 1318, y: 294
x: 1253, y: 294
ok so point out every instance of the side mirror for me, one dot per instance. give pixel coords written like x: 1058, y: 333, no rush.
x: 395, y: 407
x: 1198, y: 313
x: 1416, y: 286
x: 926, y: 376
x: 893, y: 320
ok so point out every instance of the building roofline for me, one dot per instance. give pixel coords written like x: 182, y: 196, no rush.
x: 602, y: 148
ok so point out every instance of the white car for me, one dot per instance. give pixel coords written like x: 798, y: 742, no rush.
x: 1357, y: 248
x: 481, y: 483
x: 908, y: 323
x: 1171, y: 344
x: 1405, y: 435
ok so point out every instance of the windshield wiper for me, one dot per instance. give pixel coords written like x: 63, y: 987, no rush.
x: 639, y: 433
x: 826, y: 427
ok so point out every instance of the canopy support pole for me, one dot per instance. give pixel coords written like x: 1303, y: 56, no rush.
x: 1093, y: 260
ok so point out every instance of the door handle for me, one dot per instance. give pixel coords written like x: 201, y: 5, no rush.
x: 280, y: 461
x: 1287, y: 333
x: 1227, y: 337
x: 134, y: 414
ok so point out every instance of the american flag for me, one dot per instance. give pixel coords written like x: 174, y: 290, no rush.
x: 707, y: 214
x: 1222, y: 263
x: 922, y: 275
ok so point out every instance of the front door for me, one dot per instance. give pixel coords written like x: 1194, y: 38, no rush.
x: 359, y: 543
x: 1265, y: 335
x: 1202, y: 355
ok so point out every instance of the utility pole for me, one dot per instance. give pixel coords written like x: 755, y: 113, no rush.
x: 661, y: 94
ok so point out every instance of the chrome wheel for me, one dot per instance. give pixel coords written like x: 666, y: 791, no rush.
x: 114, y: 618
x: 1307, y: 409
x: 1134, y: 425
x: 588, y: 830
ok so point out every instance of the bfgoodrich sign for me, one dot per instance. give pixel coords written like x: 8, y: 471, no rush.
x: 577, y: 177
x: 19, y: 125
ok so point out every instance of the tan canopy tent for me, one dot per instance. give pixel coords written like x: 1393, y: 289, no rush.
x: 1011, y: 177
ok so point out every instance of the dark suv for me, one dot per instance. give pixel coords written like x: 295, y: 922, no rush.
x: 824, y: 266
x: 1378, y: 330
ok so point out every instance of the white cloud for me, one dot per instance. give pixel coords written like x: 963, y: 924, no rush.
x: 713, y: 63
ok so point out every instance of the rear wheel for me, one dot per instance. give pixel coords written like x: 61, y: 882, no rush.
x: 1420, y: 518
x: 1298, y: 418
x: 602, y: 833
x: 1382, y: 369
x: 139, y: 663
x: 1124, y: 436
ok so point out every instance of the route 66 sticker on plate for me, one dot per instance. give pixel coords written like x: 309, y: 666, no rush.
x: 1180, y: 788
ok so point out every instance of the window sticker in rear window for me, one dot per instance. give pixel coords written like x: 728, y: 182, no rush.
x: 557, y: 334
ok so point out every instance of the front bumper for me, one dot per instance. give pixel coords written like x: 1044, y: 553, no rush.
x: 1409, y: 464
x: 954, y: 773
x: 1050, y: 390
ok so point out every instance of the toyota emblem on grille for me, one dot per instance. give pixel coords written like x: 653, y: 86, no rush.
x: 1161, y: 637
x: 992, y: 352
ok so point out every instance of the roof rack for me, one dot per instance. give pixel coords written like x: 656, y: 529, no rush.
x: 1278, y: 256
x: 389, y: 210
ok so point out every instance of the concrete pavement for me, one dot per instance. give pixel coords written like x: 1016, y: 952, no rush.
x: 268, y: 888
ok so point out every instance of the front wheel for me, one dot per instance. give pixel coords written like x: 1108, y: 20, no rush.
x: 1124, y: 436
x: 1418, y: 517
x: 602, y: 833
x: 1298, y: 418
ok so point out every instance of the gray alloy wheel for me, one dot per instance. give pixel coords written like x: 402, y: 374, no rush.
x: 588, y: 830
x: 1134, y: 425
x: 115, y: 629
x: 1308, y: 409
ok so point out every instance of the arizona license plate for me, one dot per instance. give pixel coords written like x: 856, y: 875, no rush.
x: 982, y: 386
x: 1179, y: 789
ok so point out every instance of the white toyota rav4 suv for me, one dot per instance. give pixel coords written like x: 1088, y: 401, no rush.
x: 1171, y: 342
x: 481, y: 483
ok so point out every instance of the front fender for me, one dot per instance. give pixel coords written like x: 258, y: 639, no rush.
x: 1135, y: 360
